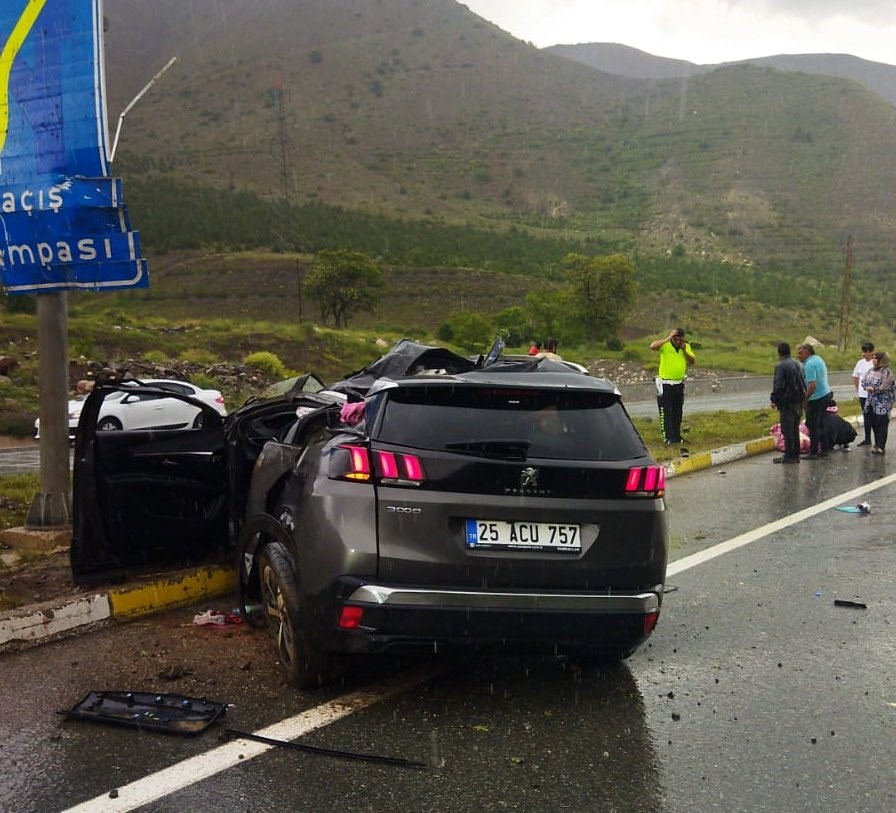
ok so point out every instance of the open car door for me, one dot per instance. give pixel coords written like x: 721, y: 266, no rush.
x: 147, y: 497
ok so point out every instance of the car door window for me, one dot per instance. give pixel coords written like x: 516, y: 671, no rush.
x: 182, y: 389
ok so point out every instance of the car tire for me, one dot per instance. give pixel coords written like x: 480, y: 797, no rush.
x: 108, y: 425
x: 305, y: 665
x: 199, y: 421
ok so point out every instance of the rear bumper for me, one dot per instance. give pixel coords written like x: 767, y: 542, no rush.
x: 399, y: 618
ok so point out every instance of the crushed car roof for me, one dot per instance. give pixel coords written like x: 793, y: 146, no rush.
x: 405, y: 358
x: 414, y: 364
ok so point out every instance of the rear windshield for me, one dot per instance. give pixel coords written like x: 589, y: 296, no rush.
x: 559, y: 424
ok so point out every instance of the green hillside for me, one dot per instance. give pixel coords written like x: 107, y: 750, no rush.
x: 422, y: 114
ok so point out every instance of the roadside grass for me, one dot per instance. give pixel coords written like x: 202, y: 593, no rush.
x: 707, y: 431
x: 17, y: 492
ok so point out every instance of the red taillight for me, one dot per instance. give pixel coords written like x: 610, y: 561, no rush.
x: 650, y: 621
x: 645, y: 481
x: 350, y: 618
x: 413, y: 468
x: 395, y: 467
x: 358, y: 463
x: 402, y: 467
x: 388, y: 464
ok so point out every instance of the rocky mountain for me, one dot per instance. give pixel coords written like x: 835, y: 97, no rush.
x: 421, y: 110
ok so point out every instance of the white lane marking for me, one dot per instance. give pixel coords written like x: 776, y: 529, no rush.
x: 686, y: 563
x: 202, y: 766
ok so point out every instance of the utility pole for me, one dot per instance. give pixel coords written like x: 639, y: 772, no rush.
x: 844, y: 298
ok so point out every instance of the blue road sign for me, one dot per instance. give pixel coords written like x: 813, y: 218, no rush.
x: 63, y: 221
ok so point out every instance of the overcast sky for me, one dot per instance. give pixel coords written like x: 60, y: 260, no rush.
x: 705, y: 31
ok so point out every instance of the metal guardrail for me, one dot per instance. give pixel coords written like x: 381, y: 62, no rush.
x: 695, y: 387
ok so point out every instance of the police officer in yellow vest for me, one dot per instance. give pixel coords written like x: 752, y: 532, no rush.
x: 675, y: 356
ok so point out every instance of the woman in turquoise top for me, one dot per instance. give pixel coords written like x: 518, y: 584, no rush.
x: 879, y: 384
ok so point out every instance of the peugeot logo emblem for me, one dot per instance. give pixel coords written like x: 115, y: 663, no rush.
x: 528, y: 478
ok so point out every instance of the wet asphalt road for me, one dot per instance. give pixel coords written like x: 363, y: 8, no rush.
x: 20, y: 459
x: 755, y: 693
x: 730, y: 401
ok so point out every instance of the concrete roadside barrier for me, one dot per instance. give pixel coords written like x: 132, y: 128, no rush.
x: 42, y: 622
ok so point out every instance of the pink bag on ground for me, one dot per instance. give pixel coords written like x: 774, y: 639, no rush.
x: 775, y: 432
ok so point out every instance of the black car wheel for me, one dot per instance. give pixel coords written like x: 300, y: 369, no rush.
x: 108, y: 425
x: 305, y: 665
x: 198, y: 421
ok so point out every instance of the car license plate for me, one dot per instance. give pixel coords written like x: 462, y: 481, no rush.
x: 483, y: 533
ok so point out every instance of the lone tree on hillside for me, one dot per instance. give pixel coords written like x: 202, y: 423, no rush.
x: 344, y: 283
x: 603, y: 291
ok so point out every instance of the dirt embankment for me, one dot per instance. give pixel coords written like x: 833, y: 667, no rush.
x: 9, y: 442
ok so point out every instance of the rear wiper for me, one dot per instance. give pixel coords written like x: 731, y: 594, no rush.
x: 511, y: 449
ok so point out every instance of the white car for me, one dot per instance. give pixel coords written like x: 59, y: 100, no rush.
x: 141, y: 410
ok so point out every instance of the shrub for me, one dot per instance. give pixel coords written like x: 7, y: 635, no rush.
x: 155, y: 356
x: 207, y: 382
x: 472, y: 331
x: 17, y: 424
x: 269, y: 363
x: 199, y: 355
x: 83, y: 347
x: 19, y: 304
x: 514, y: 325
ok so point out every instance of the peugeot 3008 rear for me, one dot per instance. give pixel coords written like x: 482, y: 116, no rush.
x: 489, y: 507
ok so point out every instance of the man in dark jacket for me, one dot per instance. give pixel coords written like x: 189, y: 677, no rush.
x: 788, y: 395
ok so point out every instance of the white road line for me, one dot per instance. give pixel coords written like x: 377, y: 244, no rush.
x: 202, y: 766
x: 680, y: 565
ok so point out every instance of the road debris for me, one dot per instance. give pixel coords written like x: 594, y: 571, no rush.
x: 329, y: 752
x: 217, y: 618
x: 168, y: 713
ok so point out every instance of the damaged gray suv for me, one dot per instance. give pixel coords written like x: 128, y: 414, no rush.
x: 424, y: 503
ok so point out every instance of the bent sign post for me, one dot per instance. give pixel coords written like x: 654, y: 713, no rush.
x: 64, y: 222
